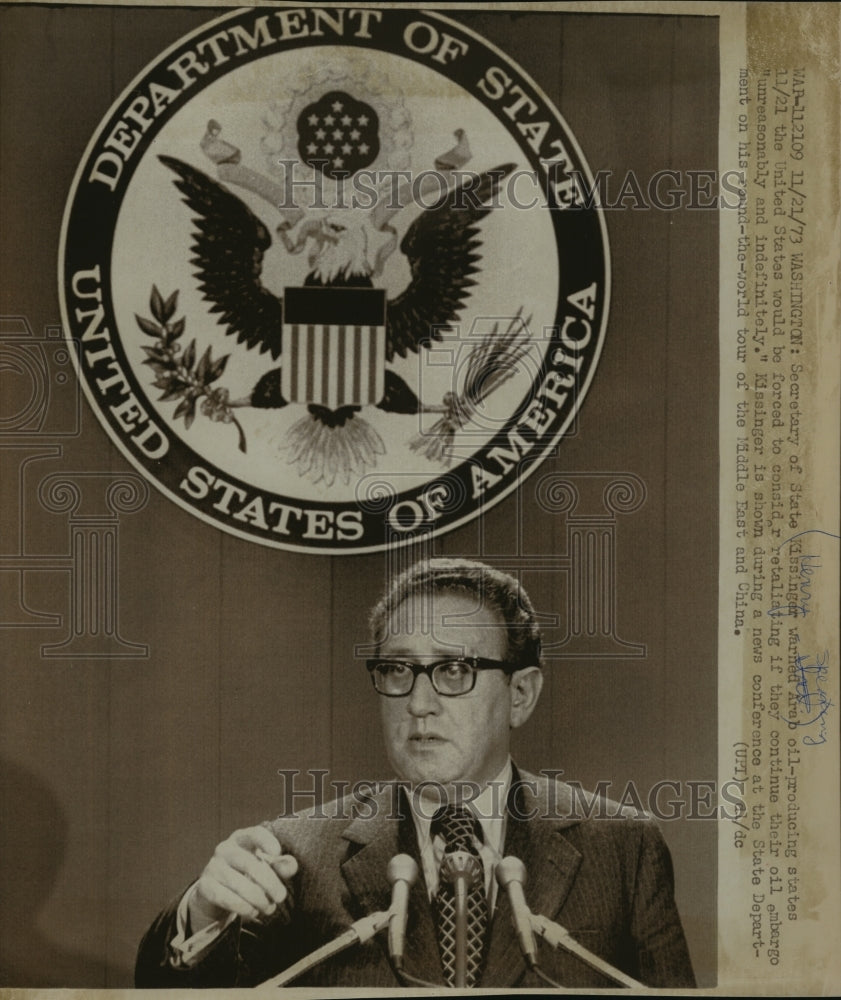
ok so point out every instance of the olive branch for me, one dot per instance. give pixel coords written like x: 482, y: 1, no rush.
x: 178, y: 373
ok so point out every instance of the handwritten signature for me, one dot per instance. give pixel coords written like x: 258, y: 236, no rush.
x: 811, y: 694
x: 810, y: 673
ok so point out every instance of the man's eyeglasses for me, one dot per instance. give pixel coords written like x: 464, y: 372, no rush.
x: 450, y: 677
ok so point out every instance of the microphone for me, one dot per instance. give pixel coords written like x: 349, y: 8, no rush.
x: 402, y: 873
x: 511, y: 875
x: 463, y: 871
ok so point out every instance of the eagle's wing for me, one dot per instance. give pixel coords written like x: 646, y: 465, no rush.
x: 228, y: 246
x: 442, y: 246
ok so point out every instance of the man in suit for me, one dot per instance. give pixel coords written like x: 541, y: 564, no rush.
x: 458, y: 667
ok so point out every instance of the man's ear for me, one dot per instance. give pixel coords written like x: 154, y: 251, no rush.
x: 526, y: 685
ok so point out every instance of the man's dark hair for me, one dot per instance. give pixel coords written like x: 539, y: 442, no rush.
x: 489, y: 587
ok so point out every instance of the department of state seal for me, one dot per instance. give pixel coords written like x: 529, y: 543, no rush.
x: 334, y: 276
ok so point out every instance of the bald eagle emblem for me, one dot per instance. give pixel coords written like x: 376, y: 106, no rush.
x: 332, y: 341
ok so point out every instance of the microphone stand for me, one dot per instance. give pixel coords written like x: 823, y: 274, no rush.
x: 510, y: 873
x: 402, y: 873
x: 559, y: 937
x: 463, y: 871
x: 460, y: 899
x: 358, y: 933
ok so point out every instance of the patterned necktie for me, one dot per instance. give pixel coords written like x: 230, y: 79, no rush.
x: 458, y: 827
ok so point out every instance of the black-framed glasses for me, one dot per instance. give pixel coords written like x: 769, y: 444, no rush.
x: 449, y: 677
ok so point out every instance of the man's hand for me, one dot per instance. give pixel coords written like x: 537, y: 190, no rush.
x: 243, y: 877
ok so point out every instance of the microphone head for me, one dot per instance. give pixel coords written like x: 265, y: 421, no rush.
x: 510, y: 869
x: 402, y: 868
x: 462, y: 865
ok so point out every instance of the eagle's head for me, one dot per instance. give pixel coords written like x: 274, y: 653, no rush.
x: 340, y: 248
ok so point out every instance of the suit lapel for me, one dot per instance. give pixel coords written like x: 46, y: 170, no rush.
x: 364, y: 871
x: 380, y: 838
x: 551, y: 864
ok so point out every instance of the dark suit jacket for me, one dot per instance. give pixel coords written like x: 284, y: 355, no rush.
x: 607, y: 880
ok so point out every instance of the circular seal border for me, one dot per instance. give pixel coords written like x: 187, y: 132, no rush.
x: 580, y: 226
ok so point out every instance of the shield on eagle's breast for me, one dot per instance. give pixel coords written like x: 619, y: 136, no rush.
x: 333, y: 346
